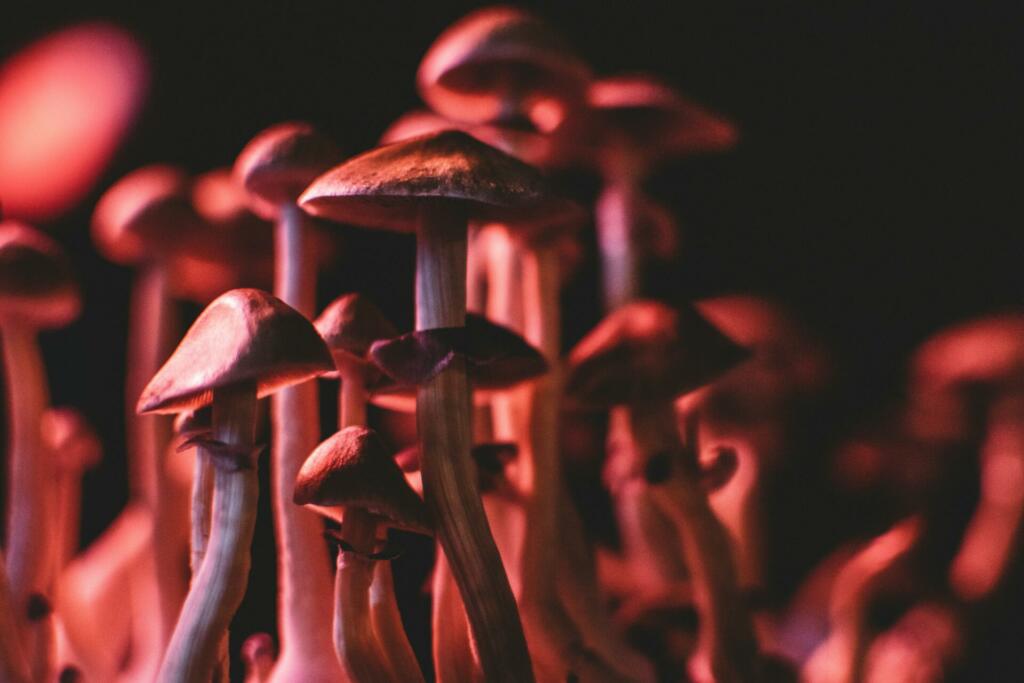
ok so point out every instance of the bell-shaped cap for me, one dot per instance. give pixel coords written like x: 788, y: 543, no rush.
x: 37, y: 284
x: 245, y: 335
x: 277, y: 165
x: 354, y: 469
x: 647, y: 352
x: 387, y: 186
x: 144, y: 215
x: 654, y: 121
x: 71, y: 439
x: 496, y: 357
x: 350, y: 325
x: 493, y: 55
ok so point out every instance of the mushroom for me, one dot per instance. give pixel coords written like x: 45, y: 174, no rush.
x: 643, y: 356
x: 353, y: 471
x: 432, y: 185
x: 140, y: 222
x: 274, y: 168
x: 245, y: 345
x: 641, y: 121
x: 37, y: 291
x: 258, y: 655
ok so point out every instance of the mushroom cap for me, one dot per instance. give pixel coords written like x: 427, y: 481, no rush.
x: 655, y: 121
x: 416, y: 123
x: 245, y: 335
x: 385, y: 187
x: 37, y: 284
x: 221, y: 201
x: 496, y: 53
x: 349, y: 326
x: 277, y: 165
x: 354, y: 469
x: 72, y: 439
x: 647, y: 352
x: 143, y: 214
x: 496, y: 357
x: 988, y: 350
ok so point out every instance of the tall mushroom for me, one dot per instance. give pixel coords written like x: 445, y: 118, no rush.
x: 643, y: 356
x: 37, y: 291
x: 244, y: 345
x: 431, y: 186
x: 274, y: 168
x: 353, y: 471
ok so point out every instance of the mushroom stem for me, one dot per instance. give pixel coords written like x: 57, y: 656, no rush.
x: 220, y: 586
x: 352, y: 398
x: 387, y: 623
x: 620, y: 264
x: 726, y: 632
x: 13, y: 665
x: 29, y: 529
x: 453, y: 650
x: 355, y: 642
x: 149, y: 344
x: 444, y: 416
x: 202, y: 497
x: 303, y: 566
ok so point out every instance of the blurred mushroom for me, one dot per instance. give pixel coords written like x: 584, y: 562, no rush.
x: 431, y: 186
x: 258, y: 655
x: 353, y: 471
x: 274, y: 168
x: 37, y: 291
x: 245, y: 345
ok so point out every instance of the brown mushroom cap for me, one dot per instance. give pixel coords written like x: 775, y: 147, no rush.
x: 350, y: 325
x: 496, y: 357
x: 277, y: 165
x: 72, y: 439
x: 144, y: 214
x: 385, y: 187
x: 647, y: 352
x: 245, y: 335
x: 354, y: 469
x: 987, y: 350
x: 654, y: 120
x: 37, y: 284
x: 491, y: 54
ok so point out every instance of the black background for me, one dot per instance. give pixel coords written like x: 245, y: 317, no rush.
x: 875, y: 187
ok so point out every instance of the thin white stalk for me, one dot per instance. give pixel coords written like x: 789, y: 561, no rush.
x: 13, y: 663
x: 387, y: 624
x: 616, y: 240
x: 452, y: 647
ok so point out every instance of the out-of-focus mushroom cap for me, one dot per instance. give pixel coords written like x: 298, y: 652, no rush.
x: 417, y: 123
x: 987, y: 350
x: 245, y: 335
x: 71, y: 439
x: 37, y: 284
x: 654, y: 121
x: 496, y: 357
x: 496, y: 53
x: 221, y: 201
x: 647, y: 352
x: 386, y: 187
x: 145, y: 214
x: 277, y: 165
x: 349, y: 326
x: 354, y: 469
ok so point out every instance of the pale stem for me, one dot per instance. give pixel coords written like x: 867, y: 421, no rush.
x: 352, y: 397
x: 452, y: 647
x: 616, y: 240
x: 13, y: 664
x: 387, y: 623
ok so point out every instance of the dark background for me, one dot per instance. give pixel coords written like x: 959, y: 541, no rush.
x: 874, y: 190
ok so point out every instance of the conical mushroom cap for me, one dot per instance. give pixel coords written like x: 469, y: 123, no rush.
x: 245, y: 335
x: 385, y: 187
x: 350, y: 324
x: 654, y: 120
x: 277, y: 165
x: 354, y: 469
x: 145, y: 213
x: 647, y: 352
x: 493, y: 53
x: 37, y: 284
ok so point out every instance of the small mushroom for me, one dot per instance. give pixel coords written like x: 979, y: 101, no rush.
x: 432, y: 186
x: 643, y: 356
x: 353, y: 472
x: 274, y: 168
x: 37, y: 291
x: 244, y: 345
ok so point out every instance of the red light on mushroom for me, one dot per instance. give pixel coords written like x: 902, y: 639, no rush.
x: 66, y: 102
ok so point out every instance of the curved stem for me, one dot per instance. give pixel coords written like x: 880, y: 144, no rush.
x: 620, y: 262
x: 304, y: 602
x: 453, y: 649
x: 443, y: 415
x: 202, y: 498
x: 220, y: 586
x: 387, y: 623
x: 13, y: 664
x: 354, y: 639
